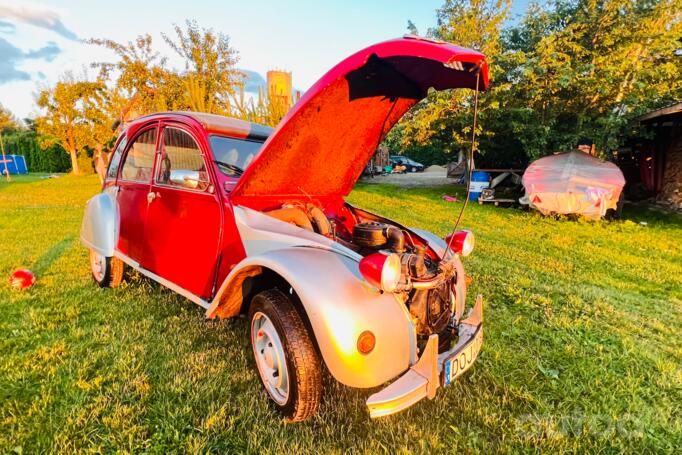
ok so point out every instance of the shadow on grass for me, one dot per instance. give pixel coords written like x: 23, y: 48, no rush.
x: 50, y: 256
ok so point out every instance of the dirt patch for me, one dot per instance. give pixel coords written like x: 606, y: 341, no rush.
x: 413, y: 179
x: 436, y: 168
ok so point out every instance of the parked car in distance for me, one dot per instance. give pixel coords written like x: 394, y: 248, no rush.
x: 246, y: 220
x: 410, y: 165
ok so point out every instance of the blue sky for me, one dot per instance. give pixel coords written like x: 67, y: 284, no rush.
x: 41, y: 40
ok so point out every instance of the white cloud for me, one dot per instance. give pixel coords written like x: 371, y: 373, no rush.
x: 38, y: 17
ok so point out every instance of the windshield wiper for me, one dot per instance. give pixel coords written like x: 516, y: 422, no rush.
x: 236, y: 170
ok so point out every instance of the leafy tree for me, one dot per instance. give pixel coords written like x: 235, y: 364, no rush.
x: 586, y: 67
x: 7, y: 121
x: 65, y: 120
x: 443, y: 121
x: 210, y: 73
x: 568, y: 69
x: 141, y: 77
x: 25, y: 141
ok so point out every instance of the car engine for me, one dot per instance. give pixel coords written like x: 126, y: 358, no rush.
x: 427, y: 283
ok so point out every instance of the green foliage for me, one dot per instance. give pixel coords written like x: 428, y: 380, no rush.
x: 74, y: 116
x: 581, y: 354
x: 210, y: 74
x: 444, y: 120
x: 570, y: 69
x: 7, y: 120
x: 266, y: 110
x: 143, y: 82
x: 26, y: 142
x: 588, y: 67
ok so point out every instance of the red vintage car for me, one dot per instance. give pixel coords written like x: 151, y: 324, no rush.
x: 243, y: 219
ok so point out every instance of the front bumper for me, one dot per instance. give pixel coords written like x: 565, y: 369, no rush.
x: 432, y: 369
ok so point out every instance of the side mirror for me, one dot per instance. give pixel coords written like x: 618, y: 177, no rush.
x: 187, y: 179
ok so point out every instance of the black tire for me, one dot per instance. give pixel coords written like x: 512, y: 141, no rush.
x: 413, y: 169
x: 111, y: 273
x: 302, y: 361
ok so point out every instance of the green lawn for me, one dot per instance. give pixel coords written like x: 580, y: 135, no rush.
x: 583, y: 348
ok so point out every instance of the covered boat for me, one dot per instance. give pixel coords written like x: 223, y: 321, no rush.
x: 573, y: 182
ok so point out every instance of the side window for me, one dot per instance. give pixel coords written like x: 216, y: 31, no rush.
x: 139, y: 161
x: 182, y: 163
x: 116, y: 158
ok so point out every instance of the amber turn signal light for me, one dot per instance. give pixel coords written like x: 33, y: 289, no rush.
x: 366, y: 342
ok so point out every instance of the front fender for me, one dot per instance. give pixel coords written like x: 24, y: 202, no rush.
x: 340, y: 305
x: 100, y: 223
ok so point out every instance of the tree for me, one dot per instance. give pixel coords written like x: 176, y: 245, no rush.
x: 568, y: 69
x: 210, y: 74
x: 7, y: 121
x: 101, y: 111
x: 140, y: 77
x: 589, y: 66
x: 65, y: 120
x: 443, y: 120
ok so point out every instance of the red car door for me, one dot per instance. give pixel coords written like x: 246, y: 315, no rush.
x: 183, y: 225
x: 134, y: 183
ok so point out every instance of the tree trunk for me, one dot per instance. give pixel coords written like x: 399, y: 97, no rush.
x: 101, y: 162
x: 74, y: 162
x: 5, y: 169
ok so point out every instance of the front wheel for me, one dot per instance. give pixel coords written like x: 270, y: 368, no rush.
x: 107, y: 271
x: 413, y: 169
x: 287, y: 362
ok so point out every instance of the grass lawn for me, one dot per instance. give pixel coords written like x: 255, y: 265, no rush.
x: 583, y: 347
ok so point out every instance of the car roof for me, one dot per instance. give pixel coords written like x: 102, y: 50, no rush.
x: 214, y: 123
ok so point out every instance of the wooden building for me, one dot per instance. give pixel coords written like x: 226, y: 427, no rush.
x: 652, y: 163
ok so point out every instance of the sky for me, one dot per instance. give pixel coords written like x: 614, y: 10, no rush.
x: 39, y: 41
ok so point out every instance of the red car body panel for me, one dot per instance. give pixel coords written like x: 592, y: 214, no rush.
x: 132, y: 197
x: 320, y: 148
x: 183, y: 229
x: 187, y: 237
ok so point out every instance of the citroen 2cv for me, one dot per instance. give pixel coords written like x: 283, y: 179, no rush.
x: 243, y: 219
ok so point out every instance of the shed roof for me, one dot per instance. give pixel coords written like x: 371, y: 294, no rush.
x: 665, y: 111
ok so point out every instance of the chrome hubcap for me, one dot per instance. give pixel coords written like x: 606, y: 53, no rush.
x: 98, y: 265
x: 268, y: 351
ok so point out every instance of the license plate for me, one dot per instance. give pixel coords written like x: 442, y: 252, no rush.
x: 459, y: 363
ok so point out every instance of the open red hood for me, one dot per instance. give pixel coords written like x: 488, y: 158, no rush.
x: 322, y: 145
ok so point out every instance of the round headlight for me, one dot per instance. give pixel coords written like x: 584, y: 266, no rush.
x: 381, y: 270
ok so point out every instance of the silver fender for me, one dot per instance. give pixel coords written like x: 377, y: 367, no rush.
x: 99, y: 229
x: 340, y: 305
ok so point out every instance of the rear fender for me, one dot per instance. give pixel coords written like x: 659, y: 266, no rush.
x: 99, y: 230
x: 340, y: 305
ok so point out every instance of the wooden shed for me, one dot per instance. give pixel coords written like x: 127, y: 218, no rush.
x: 653, y: 163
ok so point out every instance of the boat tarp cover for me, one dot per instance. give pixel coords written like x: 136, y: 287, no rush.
x: 573, y: 182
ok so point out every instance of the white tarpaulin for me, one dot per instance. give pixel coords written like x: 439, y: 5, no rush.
x: 573, y: 182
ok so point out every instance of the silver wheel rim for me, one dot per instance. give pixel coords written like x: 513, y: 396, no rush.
x: 98, y: 265
x: 270, y: 360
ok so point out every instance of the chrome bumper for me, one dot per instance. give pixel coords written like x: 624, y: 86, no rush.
x: 432, y: 370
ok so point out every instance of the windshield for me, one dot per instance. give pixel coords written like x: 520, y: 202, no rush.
x: 232, y: 155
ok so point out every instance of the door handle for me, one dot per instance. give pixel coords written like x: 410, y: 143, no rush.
x: 151, y: 196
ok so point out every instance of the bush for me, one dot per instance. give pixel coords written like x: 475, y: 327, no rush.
x: 25, y: 142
